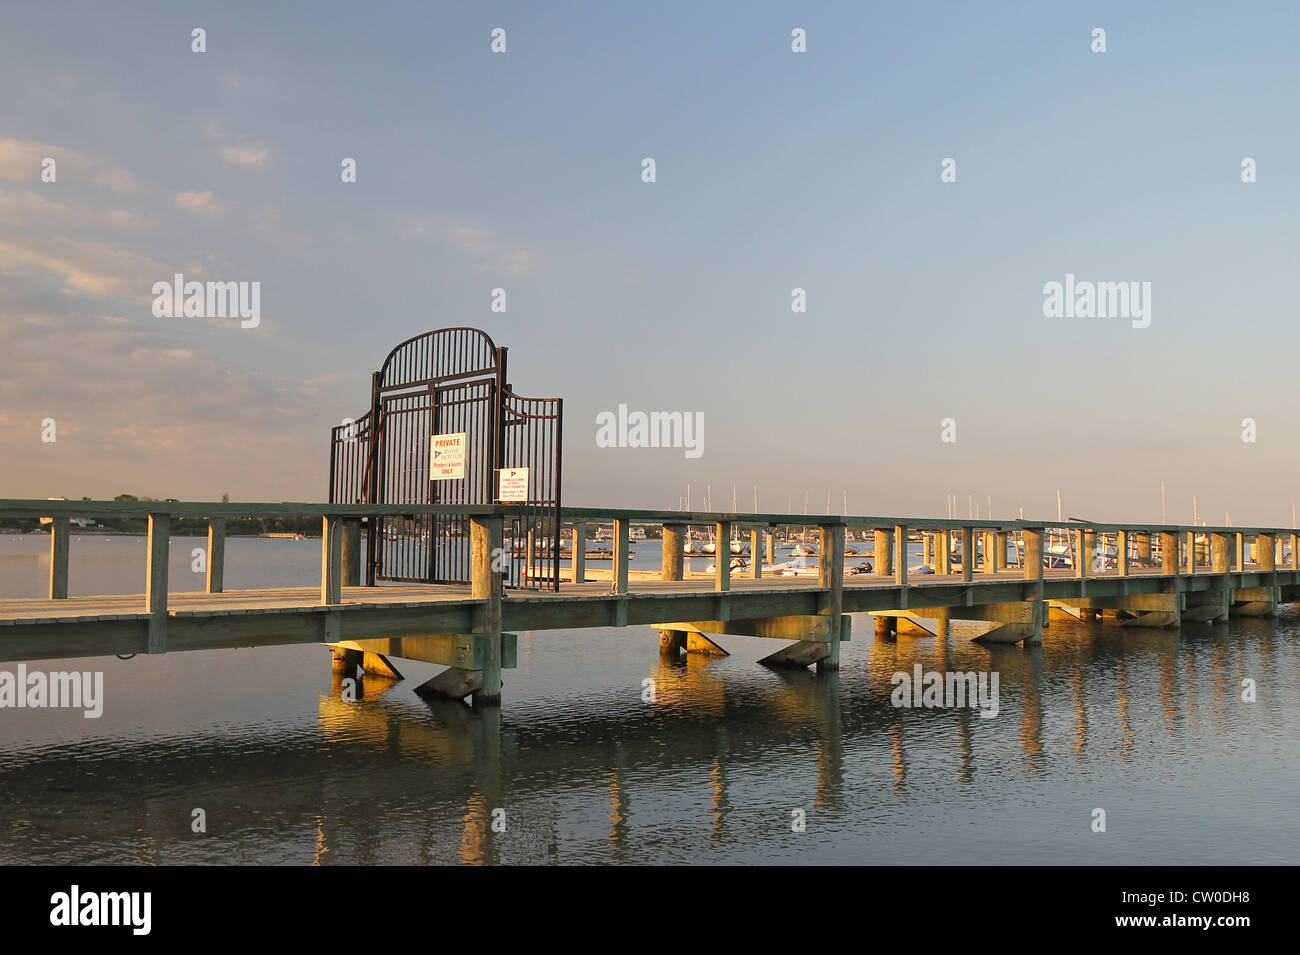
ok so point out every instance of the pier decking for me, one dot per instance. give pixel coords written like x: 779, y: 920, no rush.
x: 1200, y: 574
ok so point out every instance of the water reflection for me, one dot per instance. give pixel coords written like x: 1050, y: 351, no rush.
x: 577, y: 768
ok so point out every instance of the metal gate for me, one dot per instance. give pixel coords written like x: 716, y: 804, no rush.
x: 444, y: 382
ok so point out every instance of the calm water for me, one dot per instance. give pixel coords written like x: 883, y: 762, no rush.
x: 1145, y: 724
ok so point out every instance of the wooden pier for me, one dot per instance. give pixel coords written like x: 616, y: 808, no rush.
x: 1197, y: 575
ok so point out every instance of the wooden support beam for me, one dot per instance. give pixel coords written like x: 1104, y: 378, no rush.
x: 967, y: 553
x: 486, y: 538
x: 1121, y: 553
x: 769, y: 538
x: 468, y: 651
x: 722, y: 556
x: 798, y: 655
x: 452, y: 684
x: 1220, y: 557
x: 331, y: 561
x: 1169, y: 561
x: 580, y: 552
x: 1240, y: 550
x: 1033, y: 553
x: 1077, y: 558
x: 217, y: 555
x: 1136, y: 603
x: 620, y: 556
x: 882, y: 552
x: 697, y: 642
x: 351, y: 552
x: 1144, y: 548
x: 346, y: 660
x: 943, y: 552
x: 830, y: 574
x: 1191, y: 552
x: 674, y: 561
x: 755, y: 554
x: 155, y: 594
x: 672, y: 642
x: 900, y: 560
x: 1088, y: 540
x: 1265, y: 553
x: 58, y: 558
x: 1255, y: 601
x: 811, y: 627
x: 999, y: 551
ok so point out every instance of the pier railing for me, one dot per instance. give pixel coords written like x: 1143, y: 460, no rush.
x: 949, y: 546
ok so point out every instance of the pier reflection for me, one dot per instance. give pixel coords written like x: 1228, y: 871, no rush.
x: 716, y: 762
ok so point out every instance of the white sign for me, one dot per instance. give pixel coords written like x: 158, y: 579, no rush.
x: 446, y: 456
x: 513, y: 484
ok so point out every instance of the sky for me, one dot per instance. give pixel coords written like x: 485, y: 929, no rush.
x: 774, y: 170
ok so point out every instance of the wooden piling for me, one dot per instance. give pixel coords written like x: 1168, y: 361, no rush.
x: 58, y: 558
x: 674, y: 562
x: 1169, y: 562
x: 1143, y: 547
x: 350, y: 558
x: 486, y: 537
x: 217, y: 556
x: 967, y: 553
x: 830, y: 574
x: 580, y: 551
x: 155, y: 595
x: 331, y: 561
x: 1265, y: 554
x: 722, y: 556
x: 1033, y: 553
x: 620, y: 555
x: 1220, y: 558
x: 900, y: 561
x: 882, y: 552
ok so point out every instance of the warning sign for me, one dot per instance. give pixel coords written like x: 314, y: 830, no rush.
x: 513, y: 486
x: 447, y: 456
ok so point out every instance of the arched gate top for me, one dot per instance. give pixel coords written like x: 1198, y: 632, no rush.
x: 446, y: 354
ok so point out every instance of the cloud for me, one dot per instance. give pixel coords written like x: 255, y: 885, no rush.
x: 20, y: 161
x: 197, y: 201
x: 486, y: 250
x: 146, y: 397
x: 34, y: 210
x: 90, y: 268
x: 245, y: 155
